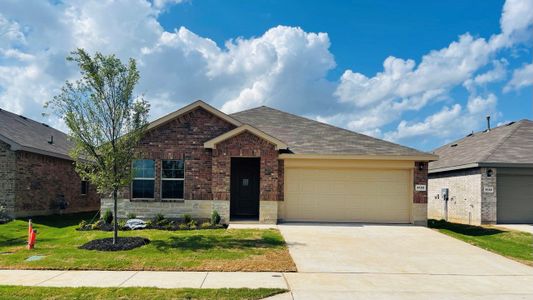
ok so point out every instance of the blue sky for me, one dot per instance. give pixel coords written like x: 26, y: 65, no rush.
x: 419, y: 73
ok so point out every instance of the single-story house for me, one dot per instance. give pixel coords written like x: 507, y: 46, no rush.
x: 267, y: 165
x: 37, y: 176
x: 487, y: 175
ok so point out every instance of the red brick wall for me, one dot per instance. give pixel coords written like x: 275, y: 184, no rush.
x: 245, y: 145
x: 44, y: 181
x: 420, y: 177
x: 184, y: 137
x: 281, y: 180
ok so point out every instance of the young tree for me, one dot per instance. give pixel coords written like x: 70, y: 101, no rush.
x: 105, y: 121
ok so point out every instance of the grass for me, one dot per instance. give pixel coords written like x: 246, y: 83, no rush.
x: 38, y: 293
x: 516, y: 245
x: 194, y: 250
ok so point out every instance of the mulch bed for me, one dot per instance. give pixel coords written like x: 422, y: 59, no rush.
x: 123, y: 243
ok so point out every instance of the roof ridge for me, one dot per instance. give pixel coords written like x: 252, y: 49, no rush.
x: 498, y: 145
x: 249, y: 109
x: 343, y: 129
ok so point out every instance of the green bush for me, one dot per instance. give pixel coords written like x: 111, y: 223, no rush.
x: 131, y: 216
x: 187, y: 218
x: 215, y: 218
x: 183, y: 226
x: 122, y: 224
x: 82, y: 225
x: 97, y: 225
x: 192, y: 224
x: 108, y: 216
x: 159, y: 218
x: 205, y: 225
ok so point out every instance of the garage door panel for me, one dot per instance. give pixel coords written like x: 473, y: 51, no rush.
x: 357, y: 195
x: 514, y: 199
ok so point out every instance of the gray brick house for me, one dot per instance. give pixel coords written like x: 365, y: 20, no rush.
x: 37, y: 176
x: 267, y: 165
x: 489, y: 177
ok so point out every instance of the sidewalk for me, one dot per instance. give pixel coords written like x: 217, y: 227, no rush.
x: 143, y: 279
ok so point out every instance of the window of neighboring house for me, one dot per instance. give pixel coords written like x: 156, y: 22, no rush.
x: 172, y: 177
x: 143, y: 179
x: 84, y: 187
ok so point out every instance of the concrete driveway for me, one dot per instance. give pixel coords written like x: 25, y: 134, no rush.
x: 397, y: 262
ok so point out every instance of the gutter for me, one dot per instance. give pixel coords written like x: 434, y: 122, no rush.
x: 421, y: 157
x: 481, y: 165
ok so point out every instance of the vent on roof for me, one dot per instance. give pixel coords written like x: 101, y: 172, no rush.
x: 23, y: 117
x: 51, y: 140
x: 470, y: 134
x: 510, y: 123
x: 453, y: 145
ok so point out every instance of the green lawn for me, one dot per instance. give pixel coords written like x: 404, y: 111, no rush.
x: 516, y: 245
x: 194, y: 250
x: 38, y: 293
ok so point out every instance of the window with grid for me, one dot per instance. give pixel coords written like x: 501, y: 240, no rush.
x: 172, y: 179
x: 143, y: 179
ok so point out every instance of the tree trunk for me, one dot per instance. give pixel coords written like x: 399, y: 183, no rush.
x: 115, y: 219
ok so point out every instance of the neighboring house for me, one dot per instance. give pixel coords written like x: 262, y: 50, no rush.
x: 267, y: 165
x: 489, y: 177
x: 37, y: 177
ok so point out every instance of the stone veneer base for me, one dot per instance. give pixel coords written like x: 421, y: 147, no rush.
x: 268, y: 210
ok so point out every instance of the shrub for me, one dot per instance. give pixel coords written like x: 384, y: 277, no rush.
x: 131, y: 216
x: 159, y: 218
x: 82, y: 224
x: 108, y: 216
x: 187, y: 218
x: 192, y: 224
x: 122, y: 224
x: 183, y: 226
x: 97, y: 225
x: 215, y: 218
x: 205, y: 225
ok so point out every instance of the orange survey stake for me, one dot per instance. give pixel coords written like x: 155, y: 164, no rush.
x: 31, y: 236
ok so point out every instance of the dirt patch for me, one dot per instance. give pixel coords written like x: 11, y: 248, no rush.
x: 123, y: 243
x: 272, y: 261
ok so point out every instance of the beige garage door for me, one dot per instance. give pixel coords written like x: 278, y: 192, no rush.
x: 354, y: 195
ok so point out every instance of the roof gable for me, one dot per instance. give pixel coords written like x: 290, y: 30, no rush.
x: 211, y: 144
x: 190, y: 107
x: 510, y: 143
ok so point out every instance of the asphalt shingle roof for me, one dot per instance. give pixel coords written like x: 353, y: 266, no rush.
x: 511, y: 143
x: 305, y: 136
x: 31, y: 135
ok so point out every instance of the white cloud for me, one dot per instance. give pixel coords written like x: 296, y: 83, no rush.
x: 404, y: 85
x: 449, y: 121
x: 285, y: 67
x: 521, y: 78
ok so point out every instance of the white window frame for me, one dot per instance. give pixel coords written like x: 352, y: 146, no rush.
x: 171, y: 179
x: 143, y: 178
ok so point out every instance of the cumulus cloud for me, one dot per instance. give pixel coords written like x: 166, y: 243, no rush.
x: 448, y: 121
x: 521, y: 78
x: 284, y: 67
x: 405, y: 86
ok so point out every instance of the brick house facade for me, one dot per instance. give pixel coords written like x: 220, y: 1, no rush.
x: 39, y: 178
x: 205, y: 142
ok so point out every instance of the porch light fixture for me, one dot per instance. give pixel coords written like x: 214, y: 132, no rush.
x: 489, y: 173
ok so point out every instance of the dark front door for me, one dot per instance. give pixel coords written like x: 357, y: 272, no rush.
x: 244, y: 189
